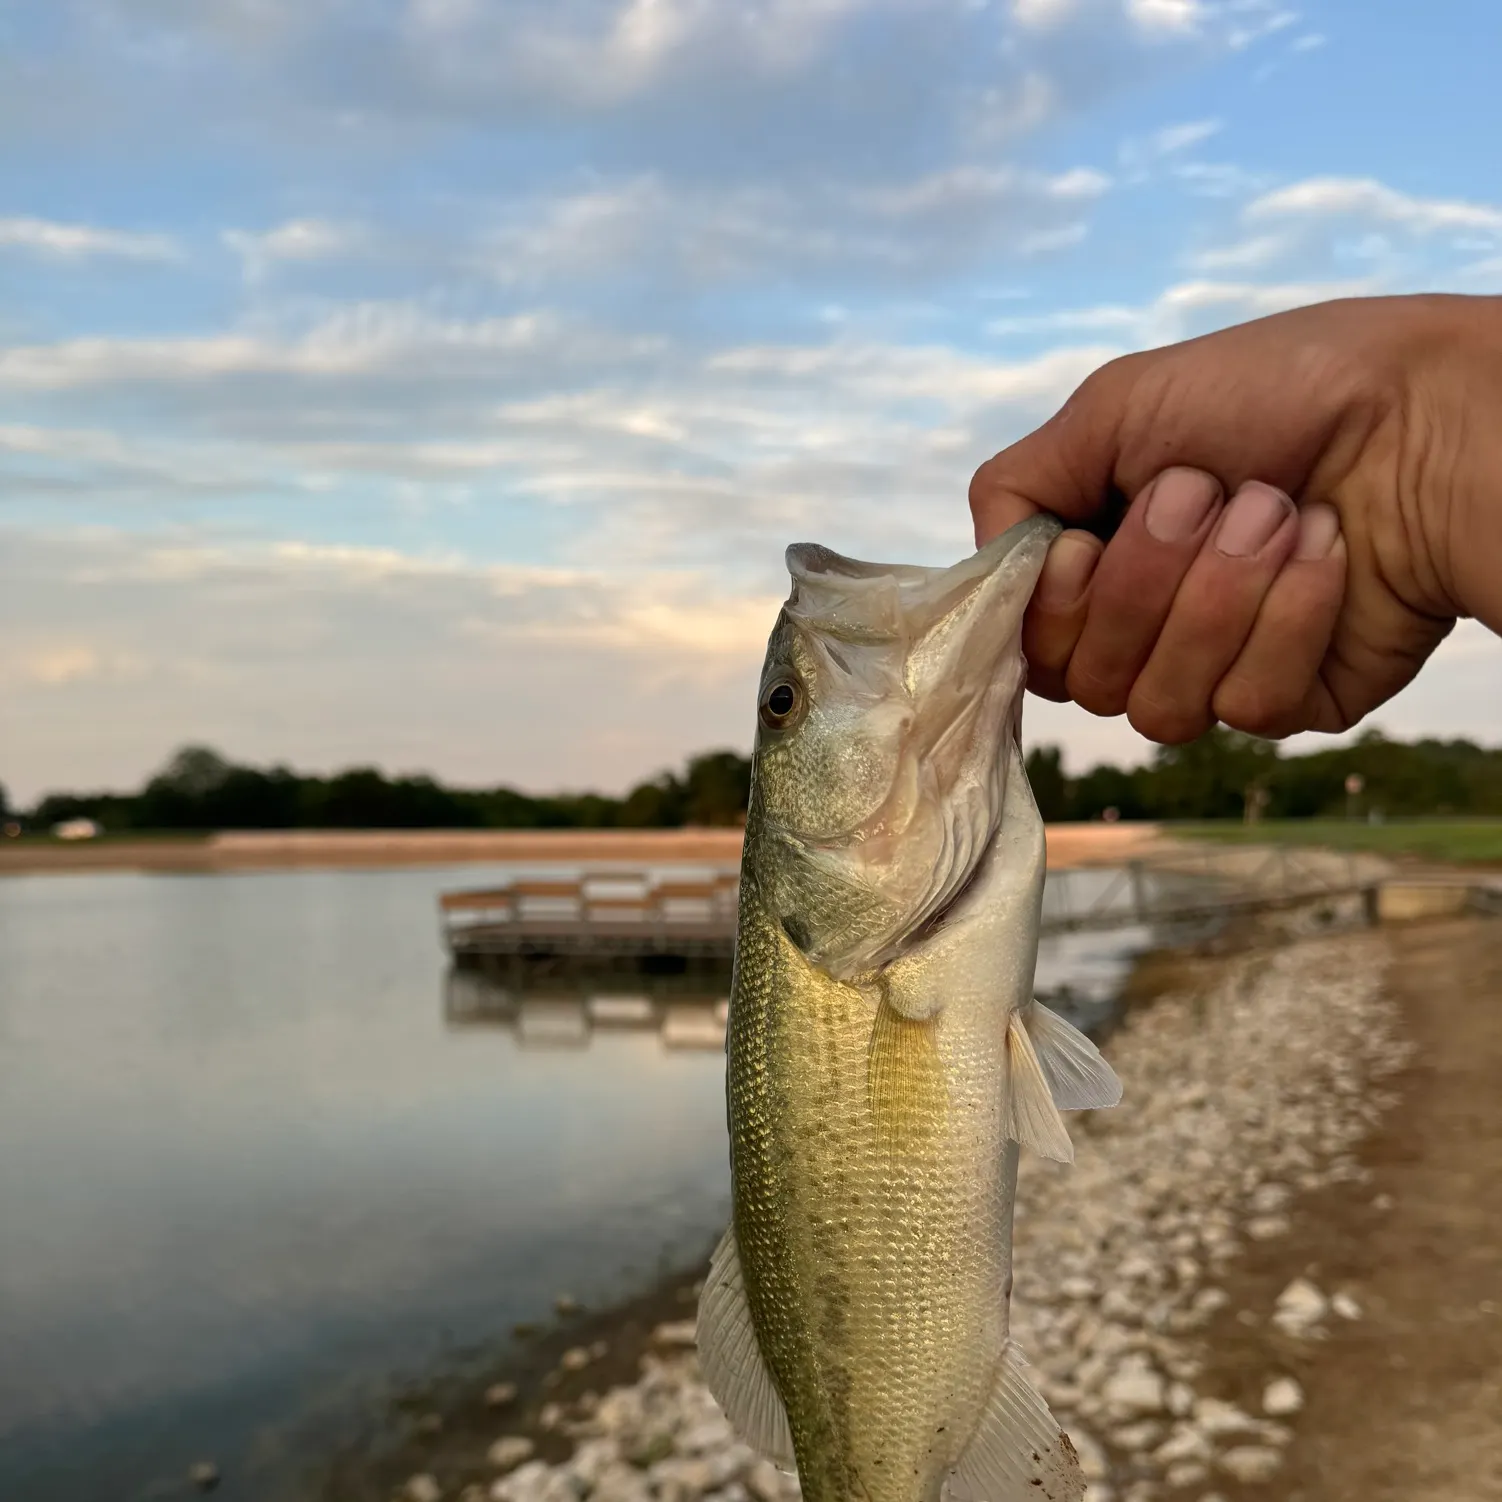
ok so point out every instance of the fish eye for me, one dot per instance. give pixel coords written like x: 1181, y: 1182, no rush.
x: 782, y: 703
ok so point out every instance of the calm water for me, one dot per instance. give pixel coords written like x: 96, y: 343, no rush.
x: 258, y: 1158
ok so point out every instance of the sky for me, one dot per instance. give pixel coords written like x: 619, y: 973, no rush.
x: 436, y: 383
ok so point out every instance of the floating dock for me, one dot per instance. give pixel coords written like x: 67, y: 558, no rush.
x: 600, y: 915
x: 625, y: 916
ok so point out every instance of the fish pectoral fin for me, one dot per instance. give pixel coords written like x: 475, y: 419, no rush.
x: 1031, y: 1117
x: 905, y: 1077
x: 731, y: 1363
x: 1018, y: 1450
x: 1078, y: 1078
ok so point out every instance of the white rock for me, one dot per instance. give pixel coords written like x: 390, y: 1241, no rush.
x: 710, y: 1434
x: 509, y: 1451
x: 1216, y: 1418
x: 575, y: 1359
x: 591, y: 1460
x: 1187, y: 1473
x: 1120, y: 1306
x: 1180, y: 1399
x: 203, y: 1475
x: 766, y: 1483
x: 1185, y: 1443
x: 1268, y: 1227
x: 1269, y: 1199
x: 1281, y: 1397
x: 1135, y: 1438
x: 677, y: 1332
x: 1251, y: 1464
x: 1346, y: 1306
x: 422, y: 1488
x: 1300, y: 1308
x: 620, y: 1483
x: 1079, y: 1288
x: 1133, y: 1388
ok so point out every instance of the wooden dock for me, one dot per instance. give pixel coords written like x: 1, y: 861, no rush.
x: 612, y: 915
x: 601, y: 915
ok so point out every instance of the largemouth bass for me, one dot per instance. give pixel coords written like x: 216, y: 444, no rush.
x: 885, y: 1054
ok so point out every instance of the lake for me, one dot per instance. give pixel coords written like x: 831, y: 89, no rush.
x: 261, y: 1156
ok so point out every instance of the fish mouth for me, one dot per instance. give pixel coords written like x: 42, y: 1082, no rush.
x: 962, y: 674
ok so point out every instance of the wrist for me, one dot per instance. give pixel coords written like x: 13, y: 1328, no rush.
x: 1455, y: 420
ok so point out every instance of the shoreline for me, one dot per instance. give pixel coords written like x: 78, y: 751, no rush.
x: 1069, y: 846
x: 1114, y: 1309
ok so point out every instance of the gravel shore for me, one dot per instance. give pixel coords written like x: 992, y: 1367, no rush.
x: 1248, y: 1087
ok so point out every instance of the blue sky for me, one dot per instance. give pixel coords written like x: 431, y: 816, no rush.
x: 437, y: 382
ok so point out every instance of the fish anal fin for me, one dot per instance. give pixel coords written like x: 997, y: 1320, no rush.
x: 731, y: 1363
x: 1018, y: 1450
x: 1079, y: 1079
x: 1032, y: 1118
x: 905, y: 1077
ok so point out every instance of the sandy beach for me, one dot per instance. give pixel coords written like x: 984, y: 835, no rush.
x: 320, y: 849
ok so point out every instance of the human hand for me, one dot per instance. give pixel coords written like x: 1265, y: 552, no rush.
x: 1218, y: 598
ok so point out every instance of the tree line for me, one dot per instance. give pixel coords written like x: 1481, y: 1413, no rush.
x: 1218, y: 776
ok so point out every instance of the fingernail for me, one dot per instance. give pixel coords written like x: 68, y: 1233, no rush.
x: 1255, y: 513
x: 1179, y: 502
x: 1071, y: 561
x: 1319, y: 526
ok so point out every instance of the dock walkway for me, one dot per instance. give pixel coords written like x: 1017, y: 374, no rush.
x: 621, y: 915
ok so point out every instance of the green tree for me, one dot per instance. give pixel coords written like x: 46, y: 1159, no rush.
x: 1045, y: 773
x: 717, y: 788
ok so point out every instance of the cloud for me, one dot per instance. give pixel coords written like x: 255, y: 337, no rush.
x: 1166, y: 15
x: 1182, y: 310
x: 542, y: 677
x: 1366, y: 198
x: 368, y: 339
x: 1172, y: 138
x: 914, y: 231
x: 296, y: 240
x: 80, y: 242
x: 333, y: 656
x: 1242, y: 255
x: 1043, y: 13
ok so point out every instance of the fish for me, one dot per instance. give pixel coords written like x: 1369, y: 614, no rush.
x: 886, y: 1059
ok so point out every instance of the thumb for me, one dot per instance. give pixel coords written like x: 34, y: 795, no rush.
x: 1067, y: 466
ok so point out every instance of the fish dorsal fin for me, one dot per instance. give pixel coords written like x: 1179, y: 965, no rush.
x: 1078, y: 1078
x: 731, y: 1363
x: 1018, y: 1452
x: 1031, y: 1117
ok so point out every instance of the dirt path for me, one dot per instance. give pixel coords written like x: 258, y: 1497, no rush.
x: 1405, y: 1403
x: 294, y: 849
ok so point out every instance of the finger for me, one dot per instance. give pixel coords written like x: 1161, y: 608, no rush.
x: 1056, y: 615
x: 1213, y: 615
x: 1274, y: 688
x: 1135, y: 583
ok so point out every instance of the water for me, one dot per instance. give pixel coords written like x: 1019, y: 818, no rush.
x: 258, y: 1160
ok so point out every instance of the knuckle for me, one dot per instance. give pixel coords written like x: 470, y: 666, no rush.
x: 1250, y: 703
x: 1095, y: 692
x: 1167, y: 723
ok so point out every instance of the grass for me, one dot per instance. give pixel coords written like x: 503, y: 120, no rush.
x: 1458, y: 841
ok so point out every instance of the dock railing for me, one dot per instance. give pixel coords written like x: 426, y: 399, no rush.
x: 604, y: 914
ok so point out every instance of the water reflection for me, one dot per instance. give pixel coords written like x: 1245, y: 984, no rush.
x: 558, y: 1007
